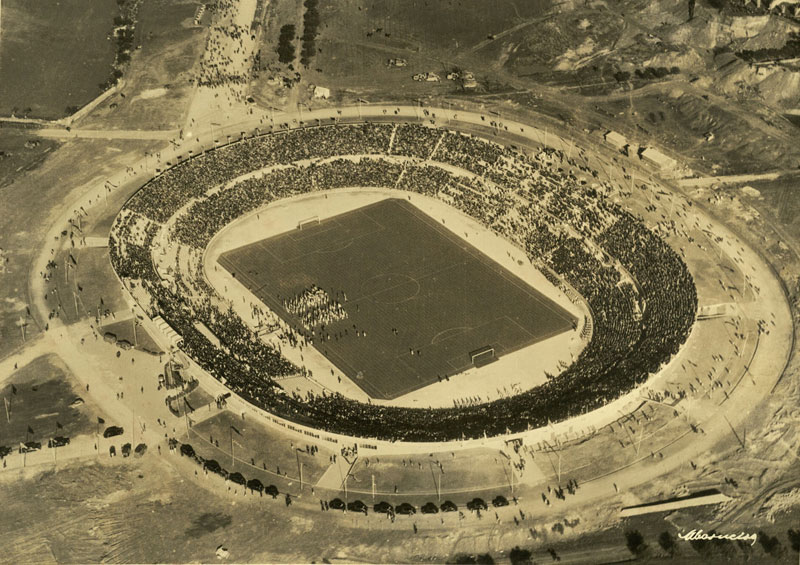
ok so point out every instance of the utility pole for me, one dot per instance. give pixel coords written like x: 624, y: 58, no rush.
x: 230, y: 431
x: 299, y: 467
x: 734, y: 431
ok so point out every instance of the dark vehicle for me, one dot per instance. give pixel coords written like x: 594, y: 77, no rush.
x: 255, y: 485
x: 112, y: 431
x: 337, y: 504
x: 58, y: 441
x: 448, y: 506
x: 29, y: 446
x: 237, y: 478
x: 477, y: 504
x: 357, y: 506
x: 126, y: 450
x: 140, y: 450
x: 4, y: 450
x: 406, y: 508
x: 272, y: 490
x: 429, y: 508
x: 214, y: 467
x: 187, y: 450
x: 383, y: 508
x: 112, y: 451
x: 499, y: 501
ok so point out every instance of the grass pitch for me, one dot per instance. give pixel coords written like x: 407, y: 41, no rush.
x: 418, y: 298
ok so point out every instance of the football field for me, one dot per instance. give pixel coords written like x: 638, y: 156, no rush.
x: 412, y: 299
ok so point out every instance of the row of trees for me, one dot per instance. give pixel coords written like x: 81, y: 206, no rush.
x: 647, y: 73
x: 286, y: 45
x: 124, y: 25
x: 310, y: 27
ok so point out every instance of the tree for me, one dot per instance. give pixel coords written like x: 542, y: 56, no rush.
x: 794, y: 539
x: 519, y: 555
x: 634, y: 541
x: 667, y: 543
x: 770, y: 544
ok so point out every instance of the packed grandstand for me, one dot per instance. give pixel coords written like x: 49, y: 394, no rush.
x: 640, y: 293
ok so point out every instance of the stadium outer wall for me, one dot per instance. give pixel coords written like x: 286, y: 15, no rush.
x: 553, y: 434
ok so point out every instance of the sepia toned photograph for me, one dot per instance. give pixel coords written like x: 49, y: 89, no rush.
x: 399, y: 281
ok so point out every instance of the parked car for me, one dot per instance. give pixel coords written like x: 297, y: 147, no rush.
x: 499, y: 501
x: 357, y: 506
x: 383, y: 508
x: 140, y: 450
x: 255, y: 485
x: 4, y: 450
x: 112, y: 431
x: 477, y: 504
x: 237, y: 478
x: 126, y: 450
x: 187, y: 450
x: 272, y: 490
x: 448, y: 506
x: 337, y: 504
x: 429, y: 508
x: 406, y: 508
x: 213, y: 466
x: 58, y: 441
x: 29, y: 446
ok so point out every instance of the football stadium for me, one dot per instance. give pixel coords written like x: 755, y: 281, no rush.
x: 391, y: 297
x: 399, y: 282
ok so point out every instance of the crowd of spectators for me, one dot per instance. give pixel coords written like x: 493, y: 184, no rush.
x: 641, y: 295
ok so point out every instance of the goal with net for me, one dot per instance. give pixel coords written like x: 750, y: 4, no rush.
x: 308, y: 222
x: 482, y: 356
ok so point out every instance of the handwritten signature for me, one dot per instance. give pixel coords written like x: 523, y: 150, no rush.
x: 695, y: 535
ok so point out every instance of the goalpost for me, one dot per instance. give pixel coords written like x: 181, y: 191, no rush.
x: 482, y: 356
x: 308, y: 222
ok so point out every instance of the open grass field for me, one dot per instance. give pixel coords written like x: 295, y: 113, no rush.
x: 20, y: 152
x: 42, y: 401
x: 417, y: 298
x: 157, y: 82
x: 53, y: 54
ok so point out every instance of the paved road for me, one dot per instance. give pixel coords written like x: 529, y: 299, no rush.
x: 705, y: 182
x: 60, y: 133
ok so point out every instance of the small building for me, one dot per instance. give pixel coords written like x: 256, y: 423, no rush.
x: 616, y: 140
x: 322, y: 92
x: 657, y: 158
x: 167, y: 331
x: 397, y: 62
x: 432, y: 77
